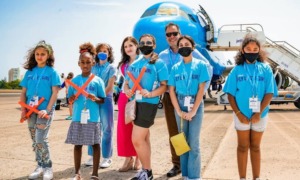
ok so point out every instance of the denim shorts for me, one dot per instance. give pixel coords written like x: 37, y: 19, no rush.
x: 258, y: 127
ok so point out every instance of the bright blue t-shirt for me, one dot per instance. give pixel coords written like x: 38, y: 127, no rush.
x: 186, y: 77
x: 105, y: 72
x: 39, y: 82
x: 239, y: 85
x: 170, y: 59
x: 95, y: 87
x: 155, y: 72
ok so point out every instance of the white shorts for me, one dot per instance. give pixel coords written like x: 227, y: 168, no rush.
x: 260, y: 126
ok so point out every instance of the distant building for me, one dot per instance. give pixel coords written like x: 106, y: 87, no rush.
x: 13, y: 74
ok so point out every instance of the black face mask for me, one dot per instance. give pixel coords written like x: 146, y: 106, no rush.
x: 146, y: 49
x: 185, y: 51
x: 251, y: 57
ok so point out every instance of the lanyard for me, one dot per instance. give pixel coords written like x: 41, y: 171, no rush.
x: 38, y: 80
x: 187, y: 78
x: 172, y: 60
x: 87, y: 90
x: 254, y: 80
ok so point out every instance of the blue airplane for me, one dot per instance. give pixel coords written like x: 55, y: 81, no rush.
x: 200, y: 27
x: 157, y: 16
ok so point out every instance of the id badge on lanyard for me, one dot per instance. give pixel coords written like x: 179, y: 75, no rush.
x: 34, y: 101
x: 85, y: 115
x: 138, y: 95
x: 254, y: 104
x: 187, y: 102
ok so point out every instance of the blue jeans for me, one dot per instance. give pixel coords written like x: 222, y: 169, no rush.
x: 39, y: 138
x: 191, y: 161
x: 107, y: 127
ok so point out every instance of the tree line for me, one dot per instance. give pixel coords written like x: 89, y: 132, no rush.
x: 10, y: 85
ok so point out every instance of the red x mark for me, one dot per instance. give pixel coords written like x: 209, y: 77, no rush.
x: 137, y: 81
x: 80, y: 90
x: 31, y: 110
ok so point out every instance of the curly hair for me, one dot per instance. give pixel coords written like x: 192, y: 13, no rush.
x: 87, y: 48
x: 125, y: 58
x: 240, y: 59
x: 154, y: 56
x: 30, y: 59
x: 110, y: 55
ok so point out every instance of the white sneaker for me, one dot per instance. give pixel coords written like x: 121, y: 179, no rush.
x: 36, y: 173
x: 89, y: 162
x: 48, y: 174
x: 105, y: 163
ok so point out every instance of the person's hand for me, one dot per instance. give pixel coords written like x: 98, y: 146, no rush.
x: 146, y: 93
x: 189, y: 116
x: 255, y: 118
x: 243, y: 119
x: 23, y: 113
x: 92, y: 97
x: 42, y: 113
x: 72, y: 99
x: 129, y: 93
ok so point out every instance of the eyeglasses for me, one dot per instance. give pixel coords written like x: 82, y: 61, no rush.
x: 172, y: 33
x: 142, y: 43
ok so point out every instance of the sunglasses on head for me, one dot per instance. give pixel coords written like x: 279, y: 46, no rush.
x: 172, y: 33
x: 142, y: 43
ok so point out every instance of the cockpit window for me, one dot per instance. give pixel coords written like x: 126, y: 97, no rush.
x: 167, y: 11
x: 149, y: 12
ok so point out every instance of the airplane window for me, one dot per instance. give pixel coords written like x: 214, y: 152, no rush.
x: 149, y: 12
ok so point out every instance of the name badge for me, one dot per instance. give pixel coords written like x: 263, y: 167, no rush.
x: 187, y: 100
x: 254, y: 104
x: 85, y: 115
x: 138, y: 95
x: 34, y: 101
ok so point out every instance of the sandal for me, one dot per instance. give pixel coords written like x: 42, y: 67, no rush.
x: 94, y: 178
x: 127, y: 166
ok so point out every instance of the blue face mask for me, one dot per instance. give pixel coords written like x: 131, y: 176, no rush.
x: 102, y: 56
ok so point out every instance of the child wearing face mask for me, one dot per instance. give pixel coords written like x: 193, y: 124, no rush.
x: 186, y: 83
x: 250, y: 87
x: 152, y: 85
x: 105, y: 70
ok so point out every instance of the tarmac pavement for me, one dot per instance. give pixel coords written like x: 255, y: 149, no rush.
x: 280, y: 146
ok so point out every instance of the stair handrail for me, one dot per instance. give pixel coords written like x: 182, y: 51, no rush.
x: 241, y: 29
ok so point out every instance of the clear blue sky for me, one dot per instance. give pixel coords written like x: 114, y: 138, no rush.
x: 68, y: 23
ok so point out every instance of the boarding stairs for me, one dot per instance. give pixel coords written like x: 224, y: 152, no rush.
x: 283, y: 57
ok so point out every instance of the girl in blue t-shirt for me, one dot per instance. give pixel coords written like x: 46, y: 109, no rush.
x: 40, y: 81
x: 250, y: 87
x: 187, y: 86
x: 105, y: 70
x: 153, y: 84
x: 85, y: 126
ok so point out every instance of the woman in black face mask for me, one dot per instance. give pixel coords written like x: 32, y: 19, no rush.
x: 250, y: 87
x: 186, y: 87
